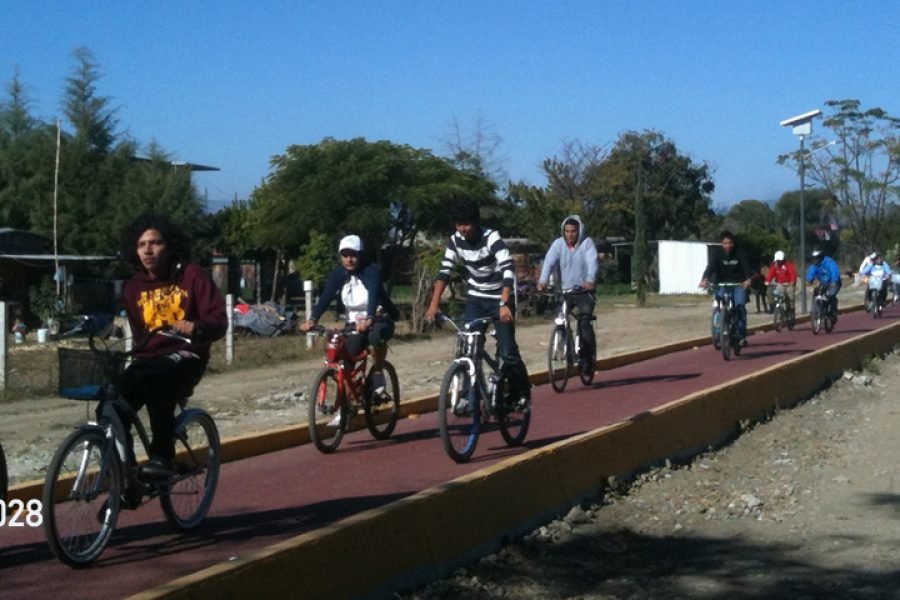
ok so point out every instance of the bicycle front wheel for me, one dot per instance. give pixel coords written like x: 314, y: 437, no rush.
x: 816, y: 317
x: 189, y: 494
x: 383, y: 410
x: 725, y: 338
x: 326, y: 399
x: 81, y: 497
x: 4, y: 476
x: 779, y: 318
x: 715, y: 328
x: 513, y: 413
x: 558, y: 359
x: 458, y: 414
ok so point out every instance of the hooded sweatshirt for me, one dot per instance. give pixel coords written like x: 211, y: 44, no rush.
x: 576, y: 264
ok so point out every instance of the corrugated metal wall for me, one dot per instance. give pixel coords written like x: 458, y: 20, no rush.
x: 681, y: 266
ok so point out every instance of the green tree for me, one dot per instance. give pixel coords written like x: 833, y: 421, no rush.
x: 26, y: 160
x: 751, y: 213
x: 818, y: 207
x: 317, y: 258
x: 386, y: 193
x: 861, y: 172
x: 676, y: 191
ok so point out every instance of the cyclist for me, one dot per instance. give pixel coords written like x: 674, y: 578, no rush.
x: 166, y: 291
x: 575, y: 257
x: 729, y: 265
x: 489, y: 275
x: 824, y: 270
x: 877, y: 268
x: 783, y: 274
x: 366, y: 305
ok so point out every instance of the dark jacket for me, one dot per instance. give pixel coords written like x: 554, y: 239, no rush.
x: 728, y: 268
x: 370, y: 275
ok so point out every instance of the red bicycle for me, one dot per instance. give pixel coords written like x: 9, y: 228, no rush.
x: 341, y: 388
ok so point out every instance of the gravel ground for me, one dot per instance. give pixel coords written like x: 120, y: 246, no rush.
x: 804, y: 506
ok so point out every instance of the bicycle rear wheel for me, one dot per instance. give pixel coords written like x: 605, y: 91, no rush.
x: 458, y: 414
x: 382, y: 411
x: 326, y: 399
x: 558, y: 359
x: 4, y: 475
x: 189, y: 494
x: 81, y: 497
x: 830, y: 319
x: 778, y: 317
x: 513, y: 413
x: 587, y: 365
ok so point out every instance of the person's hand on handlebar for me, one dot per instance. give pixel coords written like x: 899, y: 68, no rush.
x: 185, y: 328
x: 587, y: 285
x: 307, y: 326
x: 432, y: 312
x: 704, y: 283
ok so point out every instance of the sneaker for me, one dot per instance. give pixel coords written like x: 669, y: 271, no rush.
x: 376, y: 383
x: 742, y: 342
x: 336, y: 420
x: 157, y: 468
x: 462, y: 406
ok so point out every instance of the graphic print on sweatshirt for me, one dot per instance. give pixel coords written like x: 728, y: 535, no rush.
x: 162, y: 306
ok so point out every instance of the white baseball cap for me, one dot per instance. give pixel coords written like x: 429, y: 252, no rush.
x: 350, y: 242
x: 779, y: 255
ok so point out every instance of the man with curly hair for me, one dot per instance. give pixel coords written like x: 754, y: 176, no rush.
x: 166, y: 292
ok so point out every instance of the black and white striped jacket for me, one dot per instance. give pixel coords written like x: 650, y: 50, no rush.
x: 487, y: 262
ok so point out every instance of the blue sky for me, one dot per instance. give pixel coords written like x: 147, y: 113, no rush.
x: 233, y: 83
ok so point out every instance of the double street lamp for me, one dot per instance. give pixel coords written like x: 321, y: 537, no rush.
x: 801, y: 126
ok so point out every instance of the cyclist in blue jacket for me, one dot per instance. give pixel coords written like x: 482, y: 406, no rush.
x: 824, y: 270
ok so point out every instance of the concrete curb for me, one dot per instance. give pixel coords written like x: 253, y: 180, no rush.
x: 438, y: 529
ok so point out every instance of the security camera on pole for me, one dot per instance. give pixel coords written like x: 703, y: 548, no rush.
x: 801, y: 126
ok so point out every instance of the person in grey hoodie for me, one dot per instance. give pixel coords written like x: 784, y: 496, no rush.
x: 573, y: 257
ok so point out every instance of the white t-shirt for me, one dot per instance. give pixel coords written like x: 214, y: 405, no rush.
x: 355, y: 297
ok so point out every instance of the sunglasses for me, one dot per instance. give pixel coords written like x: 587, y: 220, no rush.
x: 349, y: 253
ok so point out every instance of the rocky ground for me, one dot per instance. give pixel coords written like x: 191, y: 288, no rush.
x: 803, y: 506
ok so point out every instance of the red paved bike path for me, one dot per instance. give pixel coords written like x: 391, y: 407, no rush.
x: 266, y: 499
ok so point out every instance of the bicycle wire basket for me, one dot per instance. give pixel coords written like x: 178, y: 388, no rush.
x: 85, y: 374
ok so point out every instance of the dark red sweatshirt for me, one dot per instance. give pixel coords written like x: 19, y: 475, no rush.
x: 190, y: 296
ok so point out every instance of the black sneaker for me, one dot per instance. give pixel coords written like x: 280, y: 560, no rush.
x: 157, y: 469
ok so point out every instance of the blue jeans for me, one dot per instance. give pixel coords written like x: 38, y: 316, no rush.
x: 507, y: 348
x: 740, y: 302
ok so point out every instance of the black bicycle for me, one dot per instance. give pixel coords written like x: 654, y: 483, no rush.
x: 567, y: 349
x: 94, y: 473
x: 468, y: 399
x: 783, y: 314
x: 822, y: 313
x: 726, y: 336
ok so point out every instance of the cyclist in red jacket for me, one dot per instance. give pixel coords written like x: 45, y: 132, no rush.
x: 782, y: 273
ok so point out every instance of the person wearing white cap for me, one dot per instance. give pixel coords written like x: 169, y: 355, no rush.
x: 366, y: 305
x: 783, y: 274
x: 877, y: 275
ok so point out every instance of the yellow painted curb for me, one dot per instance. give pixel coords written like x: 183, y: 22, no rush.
x: 429, y: 533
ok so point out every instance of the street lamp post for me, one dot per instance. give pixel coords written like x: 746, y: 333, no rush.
x: 801, y: 126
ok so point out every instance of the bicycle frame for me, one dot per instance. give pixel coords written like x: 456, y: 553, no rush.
x: 350, y: 371
x: 471, y: 353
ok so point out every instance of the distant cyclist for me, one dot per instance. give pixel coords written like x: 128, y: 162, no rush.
x: 489, y: 277
x: 366, y: 305
x: 729, y: 265
x: 877, y: 268
x: 574, y: 257
x: 824, y: 270
x: 783, y: 274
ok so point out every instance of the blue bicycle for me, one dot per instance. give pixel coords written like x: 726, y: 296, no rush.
x: 468, y: 399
